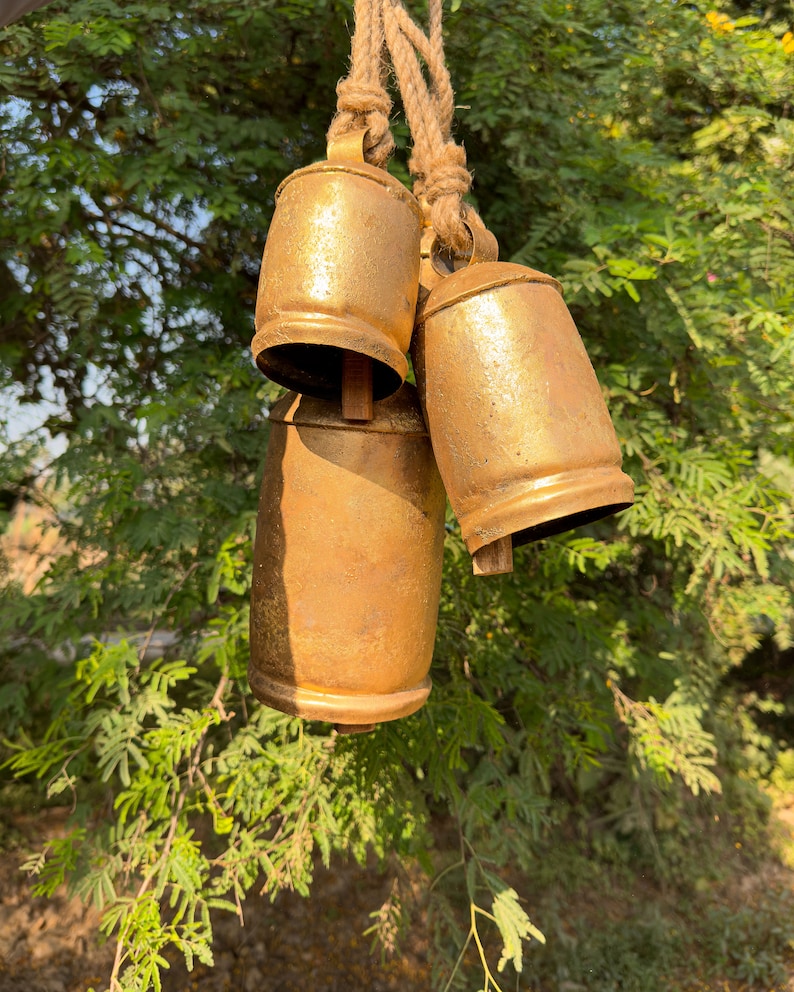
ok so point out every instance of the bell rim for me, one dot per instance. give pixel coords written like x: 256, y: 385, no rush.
x: 337, y: 707
x: 540, y: 510
x: 311, y: 330
x: 361, y: 169
x: 483, y: 276
x: 384, y: 422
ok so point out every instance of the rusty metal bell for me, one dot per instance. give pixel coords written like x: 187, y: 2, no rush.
x: 340, y: 274
x: 347, y: 562
x: 520, y: 429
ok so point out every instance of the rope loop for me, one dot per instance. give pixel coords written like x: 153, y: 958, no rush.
x: 438, y: 164
x: 362, y: 98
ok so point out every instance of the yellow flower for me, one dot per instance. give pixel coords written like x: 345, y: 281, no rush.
x: 788, y: 43
x: 720, y: 23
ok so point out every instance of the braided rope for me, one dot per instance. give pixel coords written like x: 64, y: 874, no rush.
x: 438, y: 164
x: 362, y: 99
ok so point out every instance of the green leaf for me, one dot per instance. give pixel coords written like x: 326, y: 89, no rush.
x: 514, y: 928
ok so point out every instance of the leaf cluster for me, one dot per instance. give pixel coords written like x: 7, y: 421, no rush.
x: 644, y: 158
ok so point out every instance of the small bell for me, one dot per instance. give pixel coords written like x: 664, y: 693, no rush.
x: 340, y: 275
x: 347, y: 562
x: 520, y: 429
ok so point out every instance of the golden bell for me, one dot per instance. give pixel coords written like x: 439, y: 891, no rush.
x: 347, y: 562
x: 520, y: 429
x: 340, y: 273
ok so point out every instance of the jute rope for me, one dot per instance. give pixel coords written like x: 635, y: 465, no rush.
x: 362, y: 99
x: 438, y: 164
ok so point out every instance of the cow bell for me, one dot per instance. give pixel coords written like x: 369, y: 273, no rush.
x: 347, y: 562
x: 340, y: 275
x: 520, y: 429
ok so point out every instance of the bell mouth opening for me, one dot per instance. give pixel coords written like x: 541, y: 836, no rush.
x: 561, y: 525
x: 316, y: 370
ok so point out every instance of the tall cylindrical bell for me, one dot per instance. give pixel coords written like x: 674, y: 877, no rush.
x: 347, y: 562
x: 520, y: 430
x: 340, y: 273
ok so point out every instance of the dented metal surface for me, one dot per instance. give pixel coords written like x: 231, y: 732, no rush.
x: 347, y: 562
x: 340, y: 272
x: 520, y: 429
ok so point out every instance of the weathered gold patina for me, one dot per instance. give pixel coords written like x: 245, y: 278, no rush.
x: 340, y: 273
x: 520, y: 429
x: 347, y: 562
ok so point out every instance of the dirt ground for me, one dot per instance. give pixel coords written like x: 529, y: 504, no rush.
x: 298, y: 944
x: 51, y: 945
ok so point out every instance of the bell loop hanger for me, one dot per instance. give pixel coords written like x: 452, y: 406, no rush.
x: 483, y: 247
x: 347, y: 147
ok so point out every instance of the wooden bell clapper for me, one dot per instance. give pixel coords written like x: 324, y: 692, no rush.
x: 495, y: 558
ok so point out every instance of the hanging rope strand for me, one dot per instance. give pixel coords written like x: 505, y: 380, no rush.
x: 362, y: 99
x: 442, y: 84
x: 438, y: 164
x: 433, y: 56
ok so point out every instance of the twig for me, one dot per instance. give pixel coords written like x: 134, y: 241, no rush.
x: 169, y: 597
x: 173, y: 825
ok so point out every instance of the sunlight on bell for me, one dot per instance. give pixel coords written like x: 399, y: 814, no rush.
x: 520, y: 429
x: 347, y: 562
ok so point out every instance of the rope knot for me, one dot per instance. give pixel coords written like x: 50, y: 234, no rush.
x: 355, y: 97
x: 438, y: 164
x: 446, y: 175
x: 444, y: 185
x: 362, y: 105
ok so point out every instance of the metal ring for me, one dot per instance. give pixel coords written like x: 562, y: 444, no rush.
x: 484, y: 248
